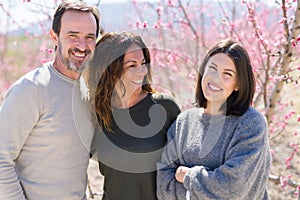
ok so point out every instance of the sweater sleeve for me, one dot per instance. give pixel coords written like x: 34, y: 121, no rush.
x: 168, y: 188
x: 18, y: 115
x: 245, y: 170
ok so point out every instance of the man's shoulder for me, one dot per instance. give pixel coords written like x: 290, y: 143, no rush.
x: 31, y: 80
x: 41, y: 71
x: 37, y: 76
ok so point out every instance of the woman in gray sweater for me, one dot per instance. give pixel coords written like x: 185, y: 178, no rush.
x: 220, y: 148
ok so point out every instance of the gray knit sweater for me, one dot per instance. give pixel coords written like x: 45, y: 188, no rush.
x: 45, y: 136
x: 229, y: 157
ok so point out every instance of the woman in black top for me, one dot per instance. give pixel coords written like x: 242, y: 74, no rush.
x: 132, y: 118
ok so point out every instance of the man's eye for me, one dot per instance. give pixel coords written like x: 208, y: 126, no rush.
x: 212, y: 67
x: 91, y: 38
x: 72, y: 36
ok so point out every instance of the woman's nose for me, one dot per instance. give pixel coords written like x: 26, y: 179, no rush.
x: 214, y: 74
x: 142, y: 69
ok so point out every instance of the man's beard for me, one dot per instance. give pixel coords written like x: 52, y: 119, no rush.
x: 74, y: 64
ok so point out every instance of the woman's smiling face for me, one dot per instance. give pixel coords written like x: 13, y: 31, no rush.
x: 134, y: 69
x: 219, y: 79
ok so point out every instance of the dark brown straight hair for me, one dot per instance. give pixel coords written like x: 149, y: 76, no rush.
x: 239, y: 101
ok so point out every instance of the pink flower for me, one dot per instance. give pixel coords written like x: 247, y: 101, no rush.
x: 43, y: 49
x: 283, y: 181
x: 294, y: 42
x: 282, y: 20
x: 145, y: 24
x: 159, y: 10
x: 156, y: 25
x: 193, y: 75
x: 288, y: 162
x: 137, y: 24
x: 292, y: 144
x: 170, y: 3
x: 286, y: 116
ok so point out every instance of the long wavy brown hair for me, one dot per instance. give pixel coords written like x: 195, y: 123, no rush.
x: 106, y: 68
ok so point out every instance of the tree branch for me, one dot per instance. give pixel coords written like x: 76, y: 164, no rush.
x: 288, y: 53
x: 278, y: 180
x: 192, y: 29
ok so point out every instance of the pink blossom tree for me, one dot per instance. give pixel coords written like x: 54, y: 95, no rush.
x: 21, y: 53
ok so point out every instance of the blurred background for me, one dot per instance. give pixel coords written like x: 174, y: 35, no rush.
x: 178, y: 33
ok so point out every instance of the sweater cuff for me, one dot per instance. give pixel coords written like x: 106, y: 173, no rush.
x: 188, y: 195
x: 191, y: 175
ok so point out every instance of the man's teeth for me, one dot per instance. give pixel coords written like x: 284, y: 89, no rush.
x: 81, y: 55
x: 214, y: 87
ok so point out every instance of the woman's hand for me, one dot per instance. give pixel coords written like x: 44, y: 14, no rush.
x: 180, y: 173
